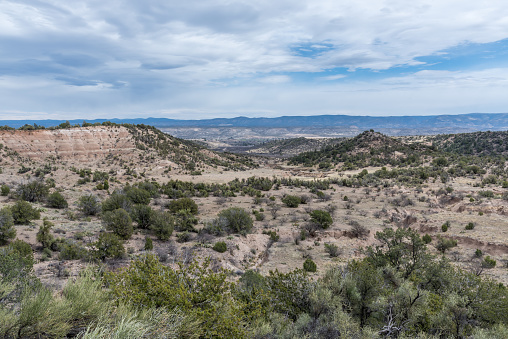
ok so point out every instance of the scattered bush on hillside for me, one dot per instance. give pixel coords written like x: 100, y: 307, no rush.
x: 23, y: 212
x: 89, y: 205
x: 7, y: 230
x: 119, y: 222
x: 57, y: 200
x: 33, y: 191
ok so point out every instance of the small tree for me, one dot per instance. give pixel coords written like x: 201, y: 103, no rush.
x: 5, y: 190
x: 108, y: 246
x: 44, y: 236
x: 148, y: 244
x: 309, y: 265
x: 237, y: 220
x: 57, y: 200
x: 162, y: 225
x: 142, y: 215
x: 23, y: 212
x: 7, y: 230
x: 183, y: 204
x: 33, y: 191
x: 291, y: 201
x: 220, y: 247
x: 89, y: 205
x: 119, y: 222
x: 322, y: 218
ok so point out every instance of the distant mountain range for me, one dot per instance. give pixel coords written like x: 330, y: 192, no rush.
x: 427, y: 124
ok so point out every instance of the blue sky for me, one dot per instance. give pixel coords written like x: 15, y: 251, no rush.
x: 215, y: 58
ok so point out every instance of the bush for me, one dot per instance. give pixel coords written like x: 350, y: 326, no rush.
x: 108, y: 246
x: 57, y: 200
x: 33, y: 191
x: 236, y: 220
x: 4, y: 190
x: 488, y: 262
x: 291, y: 201
x: 183, y: 237
x: 322, y: 218
x: 220, y: 247
x: 274, y: 237
x: 357, y: 230
x: 148, y: 244
x: 478, y: 253
x: 7, y: 230
x: 445, y: 226
x: 309, y: 265
x: 44, y: 236
x: 444, y: 244
x: 119, y: 222
x: 138, y: 195
x: 116, y: 201
x: 470, y: 226
x: 427, y: 239
x: 183, y: 204
x: 142, y: 215
x: 23, y: 212
x: 332, y: 250
x: 72, y: 251
x: 89, y: 205
x: 162, y: 225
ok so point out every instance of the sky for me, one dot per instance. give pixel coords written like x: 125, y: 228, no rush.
x: 196, y: 59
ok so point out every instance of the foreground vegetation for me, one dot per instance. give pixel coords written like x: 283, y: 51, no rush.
x: 397, y: 290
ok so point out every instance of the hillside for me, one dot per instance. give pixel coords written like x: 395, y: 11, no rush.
x: 366, y: 149
x: 108, y: 141
x: 477, y: 143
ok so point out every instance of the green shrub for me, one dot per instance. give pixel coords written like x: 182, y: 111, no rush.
x: 259, y: 216
x: 183, y: 237
x: 119, y: 222
x: 33, y: 191
x: 322, y: 218
x: 478, y: 253
x: 89, y: 205
x: 220, y: 247
x: 332, y: 250
x: 44, y: 235
x: 162, y: 225
x: 116, y: 201
x: 486, y: 194
x: 148, y: 244
x: 4, y: 190
x: 470, y: 226
x: 57, y: 200
x: 108, y: 246
x: 23, y: 212
x: 445, y: 226
x: 292, y: 201
x: 274, y: 237
x: 309, y: 265
x: 444, y: 244
x: 72, y: 251
x: 427, y: 239
x: 142, y: 215
x: 137, y: 195
x: 235, y: 220
x: 183, y: 204
x: 7, y: 230
x: 488, y: 262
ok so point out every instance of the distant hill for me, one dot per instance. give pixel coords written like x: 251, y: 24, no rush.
x: 400, y: 125
x: 477, y: 143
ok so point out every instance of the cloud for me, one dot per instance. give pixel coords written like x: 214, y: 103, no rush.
x: 131, y: 57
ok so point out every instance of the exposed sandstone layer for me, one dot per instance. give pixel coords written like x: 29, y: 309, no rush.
x: 83, y: 143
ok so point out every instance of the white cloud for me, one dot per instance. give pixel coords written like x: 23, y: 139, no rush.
x: 130, y: 57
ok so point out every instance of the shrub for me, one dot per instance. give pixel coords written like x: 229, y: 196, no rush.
x: 332, y: 250
x: 445, y: 226
x: 427, y: 239
x: 486, y: 194
x: 309, y: 265
x: 162, y: 225
x: 108, y: 246
x: 488, y: 262
x: 119, y: 222
x: 57, y: 200
x: 478, y: 253
x: 259, y: 216
x: 72, y: 251
x: 44, y: 236
x: 116, y: 201
x: 148, y: 244
x: 322, y: 218
x: 235, y: 220
x: 7, y: 230
x: 89, y: 205
x: 291, y: 201
x: 470, y: 226
x: 4, y: 190
x: 357, y: 230
x: 138, y: 195
x: 142, y: 215
x: 33, y: 191
x: 183, y: 204
x: 274, y: 237
x: 23, y: 212
x: 444, y: 244
x: 183, y: 237
x: 220, y: 247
